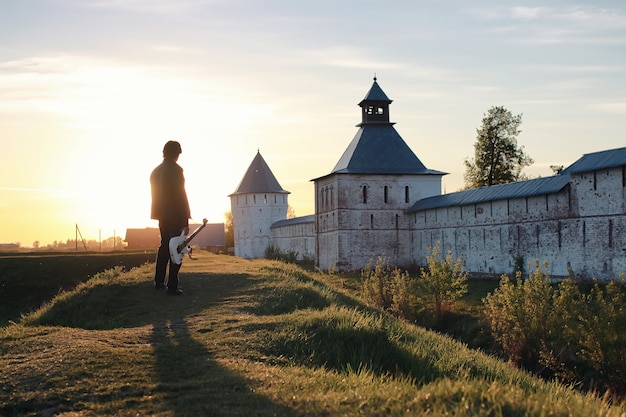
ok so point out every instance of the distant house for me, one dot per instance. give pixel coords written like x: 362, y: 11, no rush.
x: 9, y: 247
x: 148, y: 238
x: 212, y: 237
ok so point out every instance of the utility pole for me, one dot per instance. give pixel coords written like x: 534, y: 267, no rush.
x: 81, y: 238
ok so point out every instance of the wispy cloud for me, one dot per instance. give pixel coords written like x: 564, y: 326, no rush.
x: 557, y: 25
x: 613, y: 108
x: 521, y: 12
x: 146, y: 6
x: 591, y: 69
x: 348, y: 57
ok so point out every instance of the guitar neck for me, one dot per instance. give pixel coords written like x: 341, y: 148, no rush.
x: 190, y: 238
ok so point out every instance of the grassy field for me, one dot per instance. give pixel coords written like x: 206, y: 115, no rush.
x: 252, y: 338
x: 28, y: 280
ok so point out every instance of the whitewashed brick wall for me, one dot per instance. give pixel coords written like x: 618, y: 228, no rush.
x: 582, y: 229
x: 253, y: 214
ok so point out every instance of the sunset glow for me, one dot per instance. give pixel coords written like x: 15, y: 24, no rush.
x: 91, y: 90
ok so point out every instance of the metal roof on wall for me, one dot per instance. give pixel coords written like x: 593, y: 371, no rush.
x: 296, y: 220
x: 519, y: 189
x: 595, y: 161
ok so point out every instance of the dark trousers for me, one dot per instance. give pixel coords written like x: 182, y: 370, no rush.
x: 168, y: 231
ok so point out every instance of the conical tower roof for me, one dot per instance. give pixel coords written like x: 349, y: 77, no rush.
x: 376, y: 94
x: 259, y: 179
x: 380, y: 150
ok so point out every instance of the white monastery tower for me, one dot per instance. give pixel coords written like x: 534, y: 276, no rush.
x: 258, y: 202
x: 360, y: 206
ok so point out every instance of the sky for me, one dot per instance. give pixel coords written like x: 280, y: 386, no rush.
x: 90, y: 90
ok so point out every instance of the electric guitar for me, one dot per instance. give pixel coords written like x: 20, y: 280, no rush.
x: 179, y: 245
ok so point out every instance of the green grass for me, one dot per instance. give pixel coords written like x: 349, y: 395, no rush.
x: 252, y: 338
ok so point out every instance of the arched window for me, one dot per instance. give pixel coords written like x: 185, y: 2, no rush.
x: 364, y: 189
x: 386, y: 194
x: 406, y: 194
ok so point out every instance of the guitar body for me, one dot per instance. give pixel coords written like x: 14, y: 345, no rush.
x: 178, y: 248
x: 179, y: 245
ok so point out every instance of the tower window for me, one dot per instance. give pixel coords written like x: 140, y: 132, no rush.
x: 365, y: 194
x: 406, y: 194
x: 386, y: 194
x: 326, y: 197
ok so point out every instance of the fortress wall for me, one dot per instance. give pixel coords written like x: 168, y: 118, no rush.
x: 298, y: 238
x: 581, y: 229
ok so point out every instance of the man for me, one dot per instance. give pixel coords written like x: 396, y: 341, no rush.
x: 171, y: 208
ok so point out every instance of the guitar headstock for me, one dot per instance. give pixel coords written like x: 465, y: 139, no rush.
x: 204, y: 221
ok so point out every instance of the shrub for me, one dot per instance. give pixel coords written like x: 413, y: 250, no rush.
x: 602, y: 333
x: 561, y: 353
x: 404, y: 299
x: 518, y: 315
x: 575, y: 336
x: 377, y: 283
x: 390, y: 289
x: 442, y: 283
x: 273, y: 253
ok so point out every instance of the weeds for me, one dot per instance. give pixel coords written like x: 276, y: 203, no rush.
x: 442, y: 283
x: 274, y: 253
x: 437, y: 288
x: 561, y: 331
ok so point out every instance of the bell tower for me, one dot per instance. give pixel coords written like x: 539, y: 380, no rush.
x: 375, y: 106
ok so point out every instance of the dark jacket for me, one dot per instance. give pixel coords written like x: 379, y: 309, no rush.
x: 169, y: 198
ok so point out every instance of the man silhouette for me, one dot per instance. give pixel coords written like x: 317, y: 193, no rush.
x: 171, y: 208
